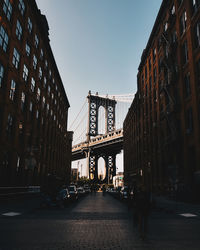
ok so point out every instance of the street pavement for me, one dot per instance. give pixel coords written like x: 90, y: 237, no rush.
x: 93, y: 222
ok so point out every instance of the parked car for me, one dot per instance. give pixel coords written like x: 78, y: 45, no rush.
x: 87, y: 189
x: 64, y: 196
x: 81, y: 191
x: 124, y: 193
x: 73, y: 192
x: 60, y: 199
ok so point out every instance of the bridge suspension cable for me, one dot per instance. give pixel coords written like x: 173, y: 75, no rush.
x: 70, y: 127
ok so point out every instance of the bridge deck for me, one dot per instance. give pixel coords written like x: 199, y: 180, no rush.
x: 108, y: 142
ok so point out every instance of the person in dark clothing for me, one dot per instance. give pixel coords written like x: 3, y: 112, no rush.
x: 142, y: 207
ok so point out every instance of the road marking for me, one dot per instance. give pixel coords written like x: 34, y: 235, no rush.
x: 188, y: 215
x: 11, y: 214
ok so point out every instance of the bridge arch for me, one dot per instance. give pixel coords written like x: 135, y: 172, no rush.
x: 101, y: 120
x: 101, y: 168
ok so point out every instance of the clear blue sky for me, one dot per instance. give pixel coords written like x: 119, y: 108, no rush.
x: 97, y: 44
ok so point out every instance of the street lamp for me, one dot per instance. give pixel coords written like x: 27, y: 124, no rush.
x: 81, y: 170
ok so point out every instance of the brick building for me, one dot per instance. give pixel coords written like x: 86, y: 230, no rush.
x: 162, y: 127
x: 34, y: 140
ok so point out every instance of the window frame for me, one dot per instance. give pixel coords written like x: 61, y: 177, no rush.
x: 16, y: 58
x: 7, y: 8
x: 3, y: 38
x: 12, y: 90
x: 1, y: 74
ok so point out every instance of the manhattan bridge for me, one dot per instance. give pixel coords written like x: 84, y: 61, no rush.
x: 98, y: 132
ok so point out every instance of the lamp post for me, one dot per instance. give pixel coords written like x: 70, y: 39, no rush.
x: 81, y: 170
x: 78, y: 169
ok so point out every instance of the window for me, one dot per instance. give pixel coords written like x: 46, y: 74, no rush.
x: 7, y: 8
x: 31, y: 107
x: 3, y: 38
x: 189, y: 121
x: 23, y: 101
x: 197, y: 35
x: 173, y: 10
x: 46, y: 64
x: 36, y: 41
x: 150, y: 64
x: 198, y: 72
x: 16, y: 58
x: 18, y: 163
x: 49, y: 89
x: 179, y: 2
x: 154, y: 95
x: 12, y: 90
x: 40, y: 73
x: 174, y: 37
x: 194, y: 5
x: 1, y: 74
x: 166, y: 26
x: 9, y: 125
x: 34, y: 62
x: 28, y: 49
x: 150, y: 83
x: 185, y: 53
x: 50, y: 73
x: 20, y: 128
x: 154, y: 75
x: 38, y: 94
x: 43, y: 102
x: 32, y: 84
x: 25, y: 73
x: 21, y: 6
x: 37, y: 114
x: 154, y: 54
x: 146, y: 90
x: 45, y: 82
x: 183, y: 22
x: 145, y: 72
x: 187, y: 85
x: 41, y: 54
x: 47, y: 108
x: 18, y: 30
x: 29, y: 25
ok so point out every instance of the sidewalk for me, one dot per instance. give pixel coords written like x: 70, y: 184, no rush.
x: 178, y: 207
x: 14, y: 192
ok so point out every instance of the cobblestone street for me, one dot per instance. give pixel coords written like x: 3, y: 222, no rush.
x: 94, y: 222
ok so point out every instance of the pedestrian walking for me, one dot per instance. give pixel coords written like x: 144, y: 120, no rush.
x: 142, y: 210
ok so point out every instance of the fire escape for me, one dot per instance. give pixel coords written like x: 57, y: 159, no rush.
x: 169, y: 100
x: 168, y: 93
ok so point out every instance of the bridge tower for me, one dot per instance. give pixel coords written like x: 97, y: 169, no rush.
x: 94, y: 103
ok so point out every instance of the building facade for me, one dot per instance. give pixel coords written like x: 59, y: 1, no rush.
x: 164, y: 119
x: 34, y: 140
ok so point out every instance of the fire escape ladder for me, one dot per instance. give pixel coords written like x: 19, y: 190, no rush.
x: 167, y: 63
